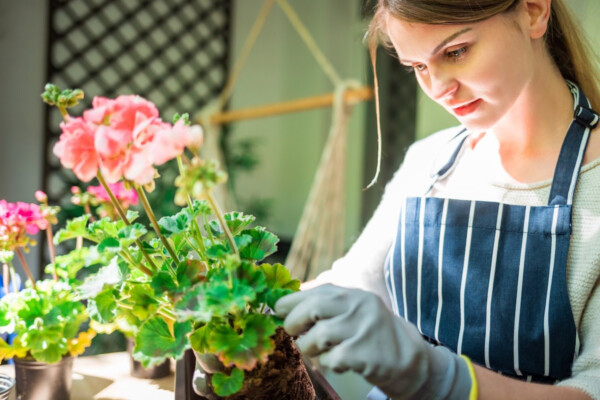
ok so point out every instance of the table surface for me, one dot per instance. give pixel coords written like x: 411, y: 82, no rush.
x: 106, y: 377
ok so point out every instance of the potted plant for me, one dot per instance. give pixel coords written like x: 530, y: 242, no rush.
x: 195, y: 279
x: 45, y: 317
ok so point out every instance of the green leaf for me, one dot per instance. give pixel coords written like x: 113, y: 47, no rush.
x: 200, y: 338
x: 189, y: 272
x: 279, y: 283
x: 143, y: 301
x: 132, y: 215
x: 227, y: 385
x: 263, y: 244
x: 242, y: 241
x: 103, y: 307
x: 192, y: 306
x: 110, y: 245
x: 112, y: 274
x: 246, y: 348
x: 155, y: 342
x: 6, y: 256
x: 163, y: 282
x: 51, y: 353
x: 131, y: 233
x: 105, y: 228
x: 217, y: 252
x: 237, y: 221
x: 74, y: 228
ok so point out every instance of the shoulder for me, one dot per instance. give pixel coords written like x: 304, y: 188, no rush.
x: 422, y: 159
x: 435, y: 149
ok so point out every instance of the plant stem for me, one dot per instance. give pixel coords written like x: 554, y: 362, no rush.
x: 210, y: 235
x: 127, y: 257
x: 221, y: 219
x: 200, y: 239
x: 26, y: 267
x: 5, y: 278
x: 88, y: 211
x: 14, y: 279
x: 112, y: 197
x: 121, y: 213
x: 142, y: 195
x: 165, y: 312
x: 63, y: 112
x: 51, y: 249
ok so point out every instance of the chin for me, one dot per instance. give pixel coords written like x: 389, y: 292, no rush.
x: 477, y: 125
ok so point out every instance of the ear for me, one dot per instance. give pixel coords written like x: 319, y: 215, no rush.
x: 539, y: 13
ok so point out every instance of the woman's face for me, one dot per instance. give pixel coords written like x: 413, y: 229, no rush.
x: 475, y: 71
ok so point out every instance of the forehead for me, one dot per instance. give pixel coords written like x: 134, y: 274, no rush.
x: 413, y: 38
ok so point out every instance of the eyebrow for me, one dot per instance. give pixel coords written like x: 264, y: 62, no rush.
x: 444, y: 42
x: 450, y: 38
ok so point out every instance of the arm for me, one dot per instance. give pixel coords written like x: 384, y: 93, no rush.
x: 494, y: 386
x: 350, y: 329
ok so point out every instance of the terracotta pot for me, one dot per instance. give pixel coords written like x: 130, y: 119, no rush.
x: 40, y: 381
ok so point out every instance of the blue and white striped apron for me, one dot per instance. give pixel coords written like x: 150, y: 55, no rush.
x: 487, y: 279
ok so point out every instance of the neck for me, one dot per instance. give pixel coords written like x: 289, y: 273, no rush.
x: 539, y: 119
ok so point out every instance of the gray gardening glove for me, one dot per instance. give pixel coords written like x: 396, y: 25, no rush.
x: 351, y: 329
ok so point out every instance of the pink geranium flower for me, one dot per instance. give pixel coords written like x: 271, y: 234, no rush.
x: 123, y: 138
x: 170, y: 143
x: 125, y: 196
x: 17, y: 220
x: 75, y: 148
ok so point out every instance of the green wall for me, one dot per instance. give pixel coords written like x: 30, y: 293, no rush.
x: 281, y: 68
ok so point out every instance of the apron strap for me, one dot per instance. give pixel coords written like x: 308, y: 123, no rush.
x: 573, y: 148
x: 455, y: 145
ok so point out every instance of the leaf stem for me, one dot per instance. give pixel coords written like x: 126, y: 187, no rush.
x: 5, y: 278
x: 63, y: 112
x: 200, y: 239
x: 26, y: 267
x: 112, y: 197
x: 221, y: 219
x: 14, y: 279
x: 121, y: 213
x: 142, y: 195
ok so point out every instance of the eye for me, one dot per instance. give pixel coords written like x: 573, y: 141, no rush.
x: 457, y: 54
x: 416, y: 67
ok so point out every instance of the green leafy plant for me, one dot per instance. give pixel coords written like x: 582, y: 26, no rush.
x: 45, y: 318
x: 195, y: 279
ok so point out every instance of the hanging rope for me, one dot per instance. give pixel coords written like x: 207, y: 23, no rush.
x: 246, y: 49
x: 310, y: 42
x: 319, y: 239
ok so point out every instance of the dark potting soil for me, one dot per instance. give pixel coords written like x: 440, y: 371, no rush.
x: 282, y: 377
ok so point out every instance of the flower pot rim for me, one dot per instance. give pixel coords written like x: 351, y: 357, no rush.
x: 6, y: 379
x: 32, y: 362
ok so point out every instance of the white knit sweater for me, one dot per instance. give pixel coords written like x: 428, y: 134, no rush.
x: 479, y: 175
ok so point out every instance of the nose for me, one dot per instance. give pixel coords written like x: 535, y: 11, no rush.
x: 441, y: 84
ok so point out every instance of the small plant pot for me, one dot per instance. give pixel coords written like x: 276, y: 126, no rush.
x: 6, y: 386
x: 137, y: 370
x: 41, y: 381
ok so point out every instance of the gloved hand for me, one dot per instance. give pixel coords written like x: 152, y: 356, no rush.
x: 352, y: 329
x: 206, y: 366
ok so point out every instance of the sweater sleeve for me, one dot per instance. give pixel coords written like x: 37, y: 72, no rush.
x: 586, y: 368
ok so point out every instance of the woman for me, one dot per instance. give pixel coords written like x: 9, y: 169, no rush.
x: 489, y: 250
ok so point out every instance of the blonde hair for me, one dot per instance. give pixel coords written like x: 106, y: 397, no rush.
x: 564, y: 38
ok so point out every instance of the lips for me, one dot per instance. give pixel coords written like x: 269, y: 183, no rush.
x: 467, y: 108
